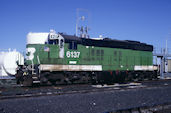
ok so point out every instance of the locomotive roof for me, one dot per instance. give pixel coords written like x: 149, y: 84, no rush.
x: 107, y: 42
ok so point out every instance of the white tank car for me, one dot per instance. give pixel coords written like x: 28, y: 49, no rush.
x: 9, y: 62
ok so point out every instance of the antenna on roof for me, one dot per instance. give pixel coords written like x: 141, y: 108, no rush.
x: 82, y: 23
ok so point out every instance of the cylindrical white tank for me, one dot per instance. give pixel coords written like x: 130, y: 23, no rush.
x: 9, y: 62
x: 2, y: 55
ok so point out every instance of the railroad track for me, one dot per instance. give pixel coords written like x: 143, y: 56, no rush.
x: 136, y: 97
x: 17, y: 91
x: 61, y: 90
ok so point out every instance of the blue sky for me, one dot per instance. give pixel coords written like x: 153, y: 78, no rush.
x: 148, y: 21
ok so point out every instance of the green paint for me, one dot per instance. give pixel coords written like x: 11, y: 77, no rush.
x: 109, y: 58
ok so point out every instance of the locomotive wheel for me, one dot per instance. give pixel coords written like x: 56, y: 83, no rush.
x: 19, y: 77
x: 94, y: 79
x: 130, y: 77
x: 28, y: 81
x: 43, y: 78
x: 53, y: 82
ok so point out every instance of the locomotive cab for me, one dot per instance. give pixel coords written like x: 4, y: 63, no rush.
x: 56, y: 39
x: 41, y: 48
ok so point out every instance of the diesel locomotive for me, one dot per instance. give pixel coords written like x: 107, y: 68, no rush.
x: 58, y: 58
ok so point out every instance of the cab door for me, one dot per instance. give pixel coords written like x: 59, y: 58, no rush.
x: 61, y: 47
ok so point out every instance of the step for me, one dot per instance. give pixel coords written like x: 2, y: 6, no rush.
x: 34, y: 78
x: 36, y: 81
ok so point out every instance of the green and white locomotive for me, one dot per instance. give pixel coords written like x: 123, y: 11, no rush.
x: 60, y: 58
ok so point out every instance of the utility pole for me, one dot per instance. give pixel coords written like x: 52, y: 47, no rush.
x: 166, y: 47
x: 82, y: 30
